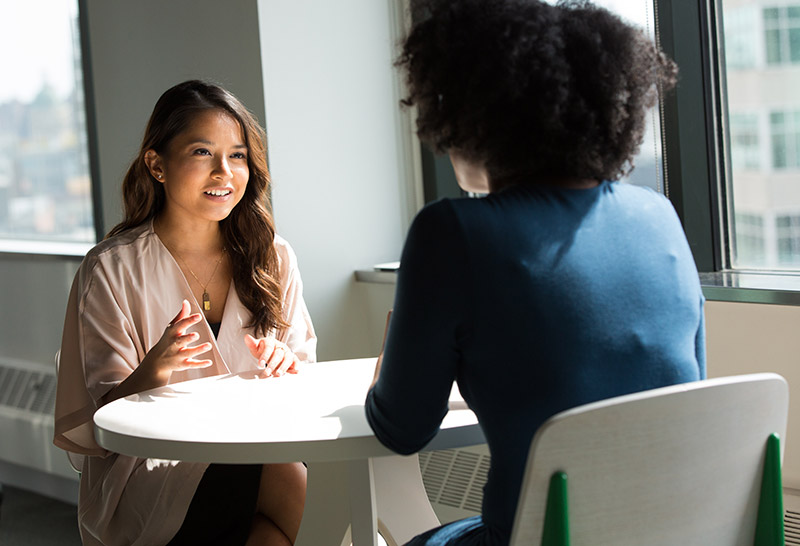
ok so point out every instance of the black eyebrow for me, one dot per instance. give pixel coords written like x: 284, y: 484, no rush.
x: 208, y: 142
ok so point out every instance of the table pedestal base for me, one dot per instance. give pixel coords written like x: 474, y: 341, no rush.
x: 356, y: 499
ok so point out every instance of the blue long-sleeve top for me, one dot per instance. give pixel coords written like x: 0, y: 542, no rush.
x: 534, y: 299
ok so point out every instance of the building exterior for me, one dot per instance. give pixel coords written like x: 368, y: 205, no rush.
x: 762, y: 56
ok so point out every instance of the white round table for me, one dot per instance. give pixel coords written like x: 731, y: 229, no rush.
x: 317, y: 417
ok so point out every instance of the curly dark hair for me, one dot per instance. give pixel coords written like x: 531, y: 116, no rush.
x: 249, y: 230
x: 535, y: 92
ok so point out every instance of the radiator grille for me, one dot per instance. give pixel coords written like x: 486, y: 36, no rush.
x: 454, y: 478
x: 29, y: 390
x: 792, y: 528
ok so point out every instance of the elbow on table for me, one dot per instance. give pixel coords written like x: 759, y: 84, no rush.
x: 407, y: 447
x: 401, y: 440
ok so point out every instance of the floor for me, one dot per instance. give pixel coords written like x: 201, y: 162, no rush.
x: 28, y: 519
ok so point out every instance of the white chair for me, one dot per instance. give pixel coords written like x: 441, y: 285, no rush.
x: 75, y: 459
x: 675, y: 466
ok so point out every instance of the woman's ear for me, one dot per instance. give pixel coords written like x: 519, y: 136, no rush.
x: 154, y: 164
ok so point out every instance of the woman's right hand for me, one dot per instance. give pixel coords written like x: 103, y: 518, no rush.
x: 172, y: 353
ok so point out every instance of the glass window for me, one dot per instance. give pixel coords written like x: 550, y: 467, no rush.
x: 745, y: 142
x: 763, y: 131
x: 742, y: 37
x: 750, y: 238
x: 785, y: 139
x: 788, y: 235
x: 45, y: 186
x: 782, y: 34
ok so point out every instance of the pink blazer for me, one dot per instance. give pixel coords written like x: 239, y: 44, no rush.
x: 124, y: 294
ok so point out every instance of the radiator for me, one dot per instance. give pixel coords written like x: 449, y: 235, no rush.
x: 791, y: 506
x: 27, y: 399
x: 454, y: 480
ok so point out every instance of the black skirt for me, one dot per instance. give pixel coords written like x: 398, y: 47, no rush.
x: 222, y: 509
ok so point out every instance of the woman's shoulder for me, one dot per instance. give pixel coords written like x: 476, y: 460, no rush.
x: 644, y: 194
x: 124, y: 247
x: 442, y: 211
x: 286, y: 256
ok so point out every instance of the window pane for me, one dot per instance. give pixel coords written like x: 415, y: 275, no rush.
x: 773, y: 46
x: 764, y: 133
x: 45, y: 187
x: 794, y: 45
x: 741, y: 36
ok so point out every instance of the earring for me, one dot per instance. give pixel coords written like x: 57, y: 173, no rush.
x: 158, y: 176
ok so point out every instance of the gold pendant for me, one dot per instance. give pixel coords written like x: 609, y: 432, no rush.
x: 206, y: 302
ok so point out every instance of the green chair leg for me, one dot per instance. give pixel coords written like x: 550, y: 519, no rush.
x: 769, y: 526
x: 556, y: 516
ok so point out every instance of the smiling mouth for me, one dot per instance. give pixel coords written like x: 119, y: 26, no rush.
x: 217, y: 193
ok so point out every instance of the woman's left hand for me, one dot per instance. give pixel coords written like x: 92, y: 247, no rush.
x: 273, y: 355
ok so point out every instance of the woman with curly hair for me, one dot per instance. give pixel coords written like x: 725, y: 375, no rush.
x: 562, y: 286
x: 198, y: 240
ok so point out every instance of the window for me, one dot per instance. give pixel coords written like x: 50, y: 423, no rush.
x: 785, y: 139
x: 763, y: 120
x: 788, y: 236
x: 45, y: 185
x: 742, y: 37
x: 750, y: 238
x: 782, y: 34
x: 745, y: 141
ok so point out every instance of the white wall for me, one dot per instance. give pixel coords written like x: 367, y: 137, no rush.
x: 336, y: 154
x: 140, y: 49
x: 749, y: 338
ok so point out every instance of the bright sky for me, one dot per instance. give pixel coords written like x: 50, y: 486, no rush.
x: 36, y: 41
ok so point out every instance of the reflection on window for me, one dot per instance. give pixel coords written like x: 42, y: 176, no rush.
x: 762, y: 53
x: 45, y: 187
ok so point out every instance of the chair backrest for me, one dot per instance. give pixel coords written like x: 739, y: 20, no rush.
x: 75, y: 459
x: 679, y: 465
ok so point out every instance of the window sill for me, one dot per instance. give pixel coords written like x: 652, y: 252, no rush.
x: 380, y: 274
x: 732, y: 286
x: 752, y: 287
x: 22, y: 247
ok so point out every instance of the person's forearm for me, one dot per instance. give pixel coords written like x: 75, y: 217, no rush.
x: 142, y: 379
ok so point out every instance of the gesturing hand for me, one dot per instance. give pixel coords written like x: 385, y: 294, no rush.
x: 173, y: 351
x: 274, y: 356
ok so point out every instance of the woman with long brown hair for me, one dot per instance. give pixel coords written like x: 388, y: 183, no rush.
x: 193, y: 282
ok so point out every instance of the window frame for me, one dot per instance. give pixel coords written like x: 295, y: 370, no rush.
x: 695, y: 135
x: 697, y: 158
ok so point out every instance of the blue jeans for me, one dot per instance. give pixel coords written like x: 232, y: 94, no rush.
x: 464, y: 532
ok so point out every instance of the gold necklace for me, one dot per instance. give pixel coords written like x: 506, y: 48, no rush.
x: 206, y: 299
